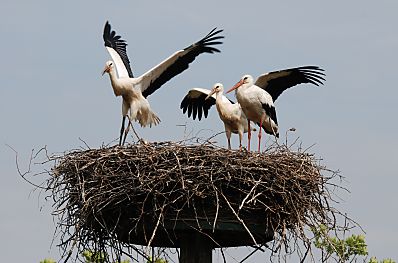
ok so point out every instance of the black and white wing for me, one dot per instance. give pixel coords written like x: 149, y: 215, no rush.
x: 278, y: 81
x: 117, y: 49
x: 196, y: 104
x: 178, y: 62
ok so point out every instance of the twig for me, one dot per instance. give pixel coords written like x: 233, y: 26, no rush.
x: 156, y: 227
x: 239, y: 219
x: 250, y: 254
x: 29, y: 166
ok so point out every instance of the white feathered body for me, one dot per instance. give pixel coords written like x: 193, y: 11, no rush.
x: 232, y: 115
x: 134, y: 104
x: 252, y: 98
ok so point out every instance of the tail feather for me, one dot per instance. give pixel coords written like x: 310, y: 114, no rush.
x: 271, y: 129
x: 148, y: 119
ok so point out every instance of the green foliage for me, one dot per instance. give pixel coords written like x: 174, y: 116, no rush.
x: 374, y: 260
x: 343, y: 250
x: 157, y: 260
x: 92, y: 257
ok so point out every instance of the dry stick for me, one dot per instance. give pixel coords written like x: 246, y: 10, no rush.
x: 156, y: 227
x: 179, y: 167
x: 138, y: 252
x: 305, y: 255
x: 73, y: 244
x: 88, y: 147
x: 250, y: 254
x: 196, y: 216
x: 248, y: 194
x: 208, y: 140
x: 29, y: 166
x: 218, y: 204
x: 217, y: 209
x: 223, y: 256
x: 239, y: 219
x: 255, y: 197
x: 204, y: 233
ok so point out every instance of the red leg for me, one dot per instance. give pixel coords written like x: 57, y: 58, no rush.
x: 259, y: 135
x: 259, y: 132
x: 240, y: 140
x: 249, y: 135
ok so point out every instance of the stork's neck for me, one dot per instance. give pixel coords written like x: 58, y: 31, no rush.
x: 115, y: 83
x: 219, y: 97
x: 240, y: 93
x: 220, y: 104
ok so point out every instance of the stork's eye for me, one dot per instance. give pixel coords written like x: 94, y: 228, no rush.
x: 245, y: 78
x: 110, y: 64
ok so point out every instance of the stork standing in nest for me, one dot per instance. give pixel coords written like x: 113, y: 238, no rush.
x: 198, y: 102
x: 257, y: 98
x: 135, y: 91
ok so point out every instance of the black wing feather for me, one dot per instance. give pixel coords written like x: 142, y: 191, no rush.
x: 306, y: 74
x: 197, y: 106
x: 205, y: 45
x: 119, y: 45
x: 271, y: 113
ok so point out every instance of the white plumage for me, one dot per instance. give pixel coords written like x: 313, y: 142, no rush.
x: 198, y: 101
x: 257, y: 98
x: 133, y: 100
x: 134, y: 91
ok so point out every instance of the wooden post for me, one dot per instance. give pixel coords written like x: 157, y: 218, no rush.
x: 195, y: 248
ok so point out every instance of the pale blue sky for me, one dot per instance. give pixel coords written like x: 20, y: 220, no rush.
x: 52, y: 92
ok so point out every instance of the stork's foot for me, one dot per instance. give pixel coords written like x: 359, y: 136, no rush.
x: 144, y: 142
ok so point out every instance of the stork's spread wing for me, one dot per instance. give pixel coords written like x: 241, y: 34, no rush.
x: 196, y: 104
x: 178, y: 62
x: 117, y: 49
x: 278, y: 81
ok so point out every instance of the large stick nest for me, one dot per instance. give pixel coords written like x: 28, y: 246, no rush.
x: 154, y: 194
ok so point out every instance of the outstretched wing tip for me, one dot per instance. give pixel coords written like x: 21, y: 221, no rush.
x: 278, y: 81
x: 118, y: 46
x: 214, y: 32
x: 194, y: 103
x: 180, y: 61
x: 210, y: 40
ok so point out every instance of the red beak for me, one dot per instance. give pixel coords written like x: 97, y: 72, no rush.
x: 106, y: 70
x: 237, y: 85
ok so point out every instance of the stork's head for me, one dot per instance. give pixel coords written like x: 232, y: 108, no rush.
x: 108, y: 67
x: 218, y: 88
x: 245, y: 81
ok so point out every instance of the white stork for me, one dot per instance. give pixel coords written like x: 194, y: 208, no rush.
x: 257, y: 98
x: 198, y: 102
x: 134, y: 91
